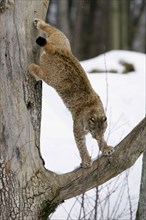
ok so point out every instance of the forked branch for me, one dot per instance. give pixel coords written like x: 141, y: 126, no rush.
x: 103, y: 169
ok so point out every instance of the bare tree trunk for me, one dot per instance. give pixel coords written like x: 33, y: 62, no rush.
x: 138, y: 32
x: 27, y: 189
x: 62, y: 16
x: 124, y: 24
x: 21, y: 169
x: 115, y: 23
x: 80, y: 15
x: 141, y: 211
x: 90, y: 28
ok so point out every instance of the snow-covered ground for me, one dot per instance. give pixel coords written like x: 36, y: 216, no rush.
x: 124, y: 97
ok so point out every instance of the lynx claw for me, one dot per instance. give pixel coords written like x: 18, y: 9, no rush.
x: 108, y: 151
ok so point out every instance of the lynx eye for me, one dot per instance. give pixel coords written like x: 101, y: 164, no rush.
x: 104, y: 119
x: 92, y: 120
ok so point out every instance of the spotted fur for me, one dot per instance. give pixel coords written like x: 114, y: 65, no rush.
x: 60, y: 69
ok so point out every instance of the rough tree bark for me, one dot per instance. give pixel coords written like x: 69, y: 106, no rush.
x: 141, y: 211
x: 21, y: 169
x: 27, y: 189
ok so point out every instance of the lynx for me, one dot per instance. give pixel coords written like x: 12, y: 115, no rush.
x: 60, y: 69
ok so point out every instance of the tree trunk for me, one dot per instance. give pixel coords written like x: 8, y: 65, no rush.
x: 115, y: 24
x: 124, y: 24
x: 27, y: 189
x: 141, y: 211
x: 138, y: 32
x: 62, y: 17
x: 22, y: 173
x: 120, y: 24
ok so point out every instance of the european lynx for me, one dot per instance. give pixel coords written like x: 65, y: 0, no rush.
x: 61, y: 70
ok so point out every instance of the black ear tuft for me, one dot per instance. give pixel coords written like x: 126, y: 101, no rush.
x: 41, y: 41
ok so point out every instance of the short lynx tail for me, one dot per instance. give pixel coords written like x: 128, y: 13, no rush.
x: 41, y: 41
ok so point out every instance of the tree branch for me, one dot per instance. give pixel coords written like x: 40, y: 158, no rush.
x: 103, y: 169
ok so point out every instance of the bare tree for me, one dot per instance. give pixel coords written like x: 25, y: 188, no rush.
x: 62, y: 16
x: 27, y: 189
x: 138, y: 26
x: 120, y: 24
x: 109, y: 201
x: 141, y: 211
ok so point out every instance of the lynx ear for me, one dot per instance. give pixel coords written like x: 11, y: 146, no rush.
x: 41, y: 41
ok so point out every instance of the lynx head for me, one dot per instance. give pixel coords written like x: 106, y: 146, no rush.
x: 95, y: 123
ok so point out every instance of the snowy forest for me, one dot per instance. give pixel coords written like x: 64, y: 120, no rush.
x: 40, y: 173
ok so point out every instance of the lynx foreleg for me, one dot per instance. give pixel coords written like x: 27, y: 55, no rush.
x: 80, y: 141
x: 106, y: 150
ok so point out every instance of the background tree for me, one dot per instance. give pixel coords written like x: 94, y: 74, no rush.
x: 141, y: 211
x: 94, y: 27
x: 88, y: 21
x: 27, y: 189
x: 120, y: 13
x: 137, y: 31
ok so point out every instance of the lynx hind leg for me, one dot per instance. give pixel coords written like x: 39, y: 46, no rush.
x: 41, y: 25
x: 37, y: 21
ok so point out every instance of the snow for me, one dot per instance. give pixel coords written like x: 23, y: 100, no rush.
x: 124, y: 97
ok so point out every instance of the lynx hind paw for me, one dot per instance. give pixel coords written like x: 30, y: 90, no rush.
x: 35, y: 22
x: 108, y: 151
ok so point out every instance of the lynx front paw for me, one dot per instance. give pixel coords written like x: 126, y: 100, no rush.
x: 86, y: 163
x: 108, y: 151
